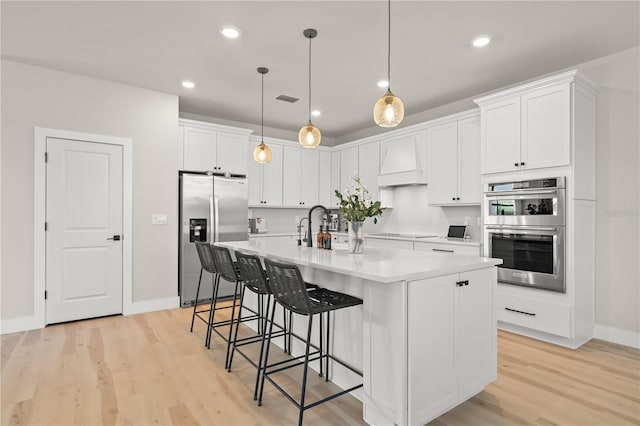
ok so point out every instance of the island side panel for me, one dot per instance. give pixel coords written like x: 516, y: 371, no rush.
x: 385, y: 353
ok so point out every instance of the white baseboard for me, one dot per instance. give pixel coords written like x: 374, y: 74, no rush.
x: 15, y: 325
x: 152, y: 305
x: 617, y: 335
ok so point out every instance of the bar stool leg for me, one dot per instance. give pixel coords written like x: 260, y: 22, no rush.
x: 321, y: 335
x: 235, y: 335
x: 260, y: 363
x: 290, y: 330
x: 304, y: 374
x: 214, y: 301
x: 233, y: 315
x: 266, y: 354
x: 195, y: 305
x: 285, y: 337
x: 326, y: 368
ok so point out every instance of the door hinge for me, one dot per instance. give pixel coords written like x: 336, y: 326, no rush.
x: 45, y: 295
x: 46, y: 157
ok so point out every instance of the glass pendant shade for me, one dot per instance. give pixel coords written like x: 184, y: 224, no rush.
x: 388, y: 111
x: 309, y: 136
x: 262, y: 153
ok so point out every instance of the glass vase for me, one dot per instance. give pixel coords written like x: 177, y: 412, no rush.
x: 356, y: 237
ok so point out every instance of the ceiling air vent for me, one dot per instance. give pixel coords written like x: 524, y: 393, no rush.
x: 287, y: 98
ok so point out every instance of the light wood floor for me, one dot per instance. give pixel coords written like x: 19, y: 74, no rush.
x: 148, y: 369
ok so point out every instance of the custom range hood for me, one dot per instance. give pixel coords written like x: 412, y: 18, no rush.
x: 404, y: 161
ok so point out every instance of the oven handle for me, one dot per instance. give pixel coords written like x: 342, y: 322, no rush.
x: 527, y: 192
x: 523, y: 229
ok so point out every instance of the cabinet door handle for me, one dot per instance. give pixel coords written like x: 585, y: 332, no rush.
x: 520, y: 312
x: 442, y: 250
x: 515, y: 164
x: 522, y: 164
x: 459, y: 283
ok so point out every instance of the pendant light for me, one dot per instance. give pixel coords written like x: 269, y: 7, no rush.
x: 262, y: 153
x: 309, y: 136
x: 389, y: 110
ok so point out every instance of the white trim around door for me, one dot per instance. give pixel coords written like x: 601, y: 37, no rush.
x: 39, y: 216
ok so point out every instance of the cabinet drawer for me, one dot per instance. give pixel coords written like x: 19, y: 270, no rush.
x: 541, y: 315
x: 447, y: 248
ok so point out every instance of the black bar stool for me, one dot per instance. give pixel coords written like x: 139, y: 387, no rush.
x: 255, y: 279
x: 207, y: 264
x: 290, y: 291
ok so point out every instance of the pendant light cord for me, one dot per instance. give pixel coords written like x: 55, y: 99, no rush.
x: 309, y: 78
x: 389, y: 47
x: 262, y: 111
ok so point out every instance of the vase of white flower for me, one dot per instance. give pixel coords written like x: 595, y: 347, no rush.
x: 355, y: 206
x: 356, y: 237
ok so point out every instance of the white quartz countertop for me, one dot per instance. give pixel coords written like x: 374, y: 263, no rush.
x: 272, y: 234
x: 376, y: 264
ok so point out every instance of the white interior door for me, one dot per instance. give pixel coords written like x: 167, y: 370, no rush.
x: 84, y: 210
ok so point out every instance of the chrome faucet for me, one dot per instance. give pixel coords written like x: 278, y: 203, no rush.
x: 300, y: 231
x: 309, y: 239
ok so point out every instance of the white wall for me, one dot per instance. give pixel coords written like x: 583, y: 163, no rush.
x: 412, y: 214
x: 618, y: 190
x: 39, y: 97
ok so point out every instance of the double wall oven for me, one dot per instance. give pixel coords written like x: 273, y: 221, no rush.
x: 524, y: 225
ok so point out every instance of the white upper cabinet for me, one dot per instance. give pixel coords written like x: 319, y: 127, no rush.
x: 265, y: 180
x: 211, y: 147
x: 325, y: 194
x: 528, y: 127
x: 546, y: 127
x: 469, y: 181
x: 443, y: 164
x: 500, y: 125
x: 369, y: 167
x: 300, y: 177
x: 232, y: 156
x: 454, y: 162
x: 348, y: 166
x: 335, y: 177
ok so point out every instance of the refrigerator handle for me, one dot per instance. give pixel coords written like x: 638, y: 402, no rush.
x: 215, y: 219
x: 211, y: 220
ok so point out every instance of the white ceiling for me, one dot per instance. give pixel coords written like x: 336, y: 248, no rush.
x: 156, y: 45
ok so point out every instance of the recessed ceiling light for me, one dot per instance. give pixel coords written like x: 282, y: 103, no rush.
x: 481, y: 41
x: 383, y: 83
x: 315, y: 113
x: 188, y: 84
x: 230, y: 32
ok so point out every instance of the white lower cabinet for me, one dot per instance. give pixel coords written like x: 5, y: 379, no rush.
x: 451, y: 319
x: 526, y: 310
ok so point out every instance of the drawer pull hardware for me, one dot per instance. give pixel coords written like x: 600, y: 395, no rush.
x: 520, y: 312
x: 462, y: 283
x: 442, y: 250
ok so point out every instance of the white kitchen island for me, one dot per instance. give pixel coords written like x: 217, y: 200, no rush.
x: 425, y: 336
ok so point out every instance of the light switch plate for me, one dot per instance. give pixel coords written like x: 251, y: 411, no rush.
x: 158, y: 219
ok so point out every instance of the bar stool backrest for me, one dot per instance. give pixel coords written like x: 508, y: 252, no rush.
x: 224, y: 263
x: 206, y: 257
x: 288, y: 287
x: 252, y: 273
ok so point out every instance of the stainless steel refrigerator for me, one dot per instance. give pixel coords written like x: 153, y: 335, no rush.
x: 213, y: 208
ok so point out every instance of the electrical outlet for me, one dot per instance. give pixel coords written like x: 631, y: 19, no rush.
x: 467, y: 220
x: 158, y: 219
x: 297, y: 219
